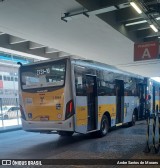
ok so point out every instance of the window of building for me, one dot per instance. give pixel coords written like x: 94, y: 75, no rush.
x: 5, y: 78
x: 1, y: 91
x: 8, y: 78
x: 12, y: 79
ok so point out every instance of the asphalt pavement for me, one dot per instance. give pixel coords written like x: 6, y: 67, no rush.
x: 120, y: 143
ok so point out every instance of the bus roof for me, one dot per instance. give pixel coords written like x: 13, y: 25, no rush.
x: 110, y: 68
x: 89, y: 63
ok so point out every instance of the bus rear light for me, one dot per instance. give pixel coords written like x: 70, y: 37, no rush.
x: 22, y: 113
x: 70, y: 106
x: 69, y: 109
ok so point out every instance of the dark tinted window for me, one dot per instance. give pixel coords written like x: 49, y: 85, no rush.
x: 130, y: 87
x: 12, y: 79
x: 5, y: 78
x: 1, y: 91
x: 105, y: 83
x: 43, y: 75
x: 15, y: 108
x: 11, y: 109
x: 8, y: 78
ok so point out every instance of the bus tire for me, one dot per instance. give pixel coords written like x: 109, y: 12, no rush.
x: 65, y: 133
x: 104, y: 128
x: 132, y: 123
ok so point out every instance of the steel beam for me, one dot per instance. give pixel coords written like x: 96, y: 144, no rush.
x: 137, y: 27
x: 50, y: 50
x: 63, y: 54
x: 99, y: 4
x: 24, y: 47
x: 141, y: 34
x: 153, y: 38
x: 15, y: 40
x: 4, y: 40
x: 110, y: 18
x: 1, y: 33
x: 33, y: 45
x: 127, y: 14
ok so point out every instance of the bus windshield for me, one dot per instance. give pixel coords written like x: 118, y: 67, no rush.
x: 43, y: 75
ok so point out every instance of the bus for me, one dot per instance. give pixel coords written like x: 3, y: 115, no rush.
x: 68, y: 95
x: 153, y: 88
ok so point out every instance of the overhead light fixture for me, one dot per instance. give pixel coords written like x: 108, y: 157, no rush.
x: 134, y: 23
x: 154, y: 28
x: 158, y: 18
x: 134, y: 5
x: 159, y: 37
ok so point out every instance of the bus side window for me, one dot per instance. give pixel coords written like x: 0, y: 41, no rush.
x: 80, y: 85
x: 130, y: 87
x: 105, y: 84
x: 80, y: 80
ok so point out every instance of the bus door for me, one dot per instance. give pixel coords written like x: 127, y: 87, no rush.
x: 91, y: 91
x: 142, y: 101
x: 86, y: 103
x: 119, y: 101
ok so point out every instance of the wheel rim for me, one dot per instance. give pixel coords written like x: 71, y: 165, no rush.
x: 104, y: 127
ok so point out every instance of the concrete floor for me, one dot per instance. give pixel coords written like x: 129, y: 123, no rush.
x: 121, y: 143
x: 10, y: 122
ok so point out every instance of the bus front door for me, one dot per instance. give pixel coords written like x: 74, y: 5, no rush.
x: 86, y: 106
x: 91, y: 91
x: 142, y: 101
x: 119, y: 101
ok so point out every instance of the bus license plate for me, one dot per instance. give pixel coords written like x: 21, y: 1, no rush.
x: 45, y: 118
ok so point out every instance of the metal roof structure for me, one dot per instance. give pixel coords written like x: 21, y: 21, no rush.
x: 123, y: 17
x: 100, y: 30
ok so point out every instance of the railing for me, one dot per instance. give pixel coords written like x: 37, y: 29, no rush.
x: 153, y: 134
